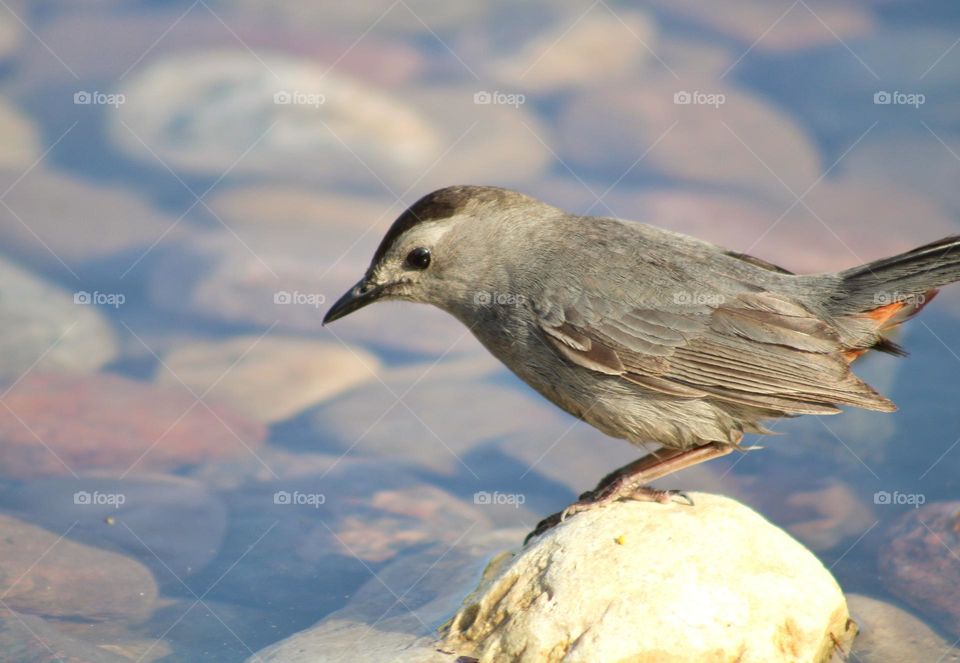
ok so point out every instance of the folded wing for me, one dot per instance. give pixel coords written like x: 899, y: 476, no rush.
x: 757, y: 349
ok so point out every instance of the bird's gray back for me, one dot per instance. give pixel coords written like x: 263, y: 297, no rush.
x: 652, y: 335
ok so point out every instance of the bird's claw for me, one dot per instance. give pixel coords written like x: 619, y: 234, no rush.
x: 593, y: 499
x: 682, y: 494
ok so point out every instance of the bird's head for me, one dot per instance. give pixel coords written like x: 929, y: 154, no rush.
x: 440, y: 250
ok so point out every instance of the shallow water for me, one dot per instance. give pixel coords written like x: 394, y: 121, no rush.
x: 185, y: 187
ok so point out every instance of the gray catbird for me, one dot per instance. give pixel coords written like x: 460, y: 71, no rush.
x: 648, y: 335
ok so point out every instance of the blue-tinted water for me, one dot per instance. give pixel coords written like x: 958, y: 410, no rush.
x: 171, y: 233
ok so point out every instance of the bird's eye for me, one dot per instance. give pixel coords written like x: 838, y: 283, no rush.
x: 419, y: 258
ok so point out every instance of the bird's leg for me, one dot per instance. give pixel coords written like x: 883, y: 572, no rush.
x: 634, y: 467
x: 629, y: 482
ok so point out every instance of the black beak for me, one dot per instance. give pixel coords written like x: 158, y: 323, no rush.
x: 357, y: 297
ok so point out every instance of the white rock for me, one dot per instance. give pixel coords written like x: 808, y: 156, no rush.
x: 888, y: 633
x: 270, y: 378
x: 652, y: 582
x: 343, y: 641
x: 45, y: 329
x: 376, y: 627
x: 201, y: 112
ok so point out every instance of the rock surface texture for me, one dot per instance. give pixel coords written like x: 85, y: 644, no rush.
x: 889, y: 633
x: 651, y: 582
x: 918, y: 564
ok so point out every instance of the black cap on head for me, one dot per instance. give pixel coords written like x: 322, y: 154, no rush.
x: 435, y: 206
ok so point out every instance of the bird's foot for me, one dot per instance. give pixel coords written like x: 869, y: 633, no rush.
x: 631, y: 481
x: 612, y: 492
x: 621, y: 491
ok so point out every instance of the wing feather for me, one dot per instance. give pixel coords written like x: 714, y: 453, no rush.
x: 757, y: 349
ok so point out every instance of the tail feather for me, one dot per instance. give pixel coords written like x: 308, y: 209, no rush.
x: 900, y: 278
x: 874, y: 298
